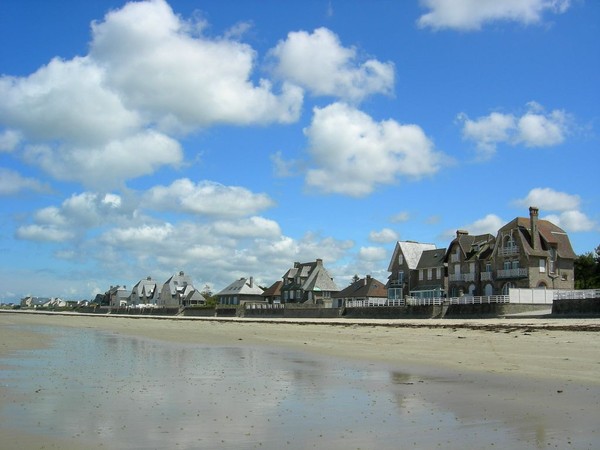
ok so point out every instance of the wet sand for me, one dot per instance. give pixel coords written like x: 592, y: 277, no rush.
x: 536, y: 381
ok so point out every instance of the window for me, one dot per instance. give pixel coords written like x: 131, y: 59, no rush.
x: 434, y: 273
x: 515, y: 264
x: 400, y: 259
x: 429, y: 274
x: 401, y: 276
x: 542, y: 265
x: 421, y: 274
x: 507, y: 265
x: 552, y: 267
x: 488, y: 267
x: 472, y: 267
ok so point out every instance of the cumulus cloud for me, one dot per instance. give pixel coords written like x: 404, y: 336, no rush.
x: 9, y: 139
x: 209, y: 198
x: 353, y: 154
x: 491, y: 223
x: 109, y: 116
x: 383, y: 236
x: 373, y: 253
x: 469, y: 15
x: 108, y: 165
x: 318, y: 62
x: 74, y: 217
x: 12, y: 182
x: 550, y: 200
x: 400, y: 217
x: 535, y: 128
x: 569, y: 216
x: 573, y: 221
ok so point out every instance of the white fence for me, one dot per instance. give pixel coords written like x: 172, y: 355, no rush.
x: 464, y: 300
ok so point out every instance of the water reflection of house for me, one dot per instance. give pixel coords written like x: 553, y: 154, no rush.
x: 241, y: 291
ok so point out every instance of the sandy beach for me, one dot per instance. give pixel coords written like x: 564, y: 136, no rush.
x: 547, y: 370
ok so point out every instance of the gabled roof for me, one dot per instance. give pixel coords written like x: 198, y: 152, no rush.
x: 472, y: 246
x: 243, y: 286
x: 365, y: 287
x: 313, y: 277
x: 274, y: 290
x: 548, y: 235
x: 177, y: 281
x: 411, y: 251
x: 432, y: 258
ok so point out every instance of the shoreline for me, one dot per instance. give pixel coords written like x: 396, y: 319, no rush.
x: 561, y: 349
x: 537, y: 382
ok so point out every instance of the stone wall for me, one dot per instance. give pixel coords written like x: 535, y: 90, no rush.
x: 576, y: 307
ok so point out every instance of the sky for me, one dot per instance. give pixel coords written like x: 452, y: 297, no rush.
x: 230, y: 139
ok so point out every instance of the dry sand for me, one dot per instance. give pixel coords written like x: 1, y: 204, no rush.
x: 544, y: 373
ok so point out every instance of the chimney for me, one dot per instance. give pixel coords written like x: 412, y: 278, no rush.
x: 319, y: 262
x: 251, y: 281
x: 460, y: 233
x: 367, y: 279
x: 533, y: 218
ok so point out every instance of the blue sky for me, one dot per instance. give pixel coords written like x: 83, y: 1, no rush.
x: 230, y: 139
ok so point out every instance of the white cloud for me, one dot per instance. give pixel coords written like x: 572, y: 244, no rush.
x: 538, y: 130
x: 12, y: 182
x: 569, y: 218
x: 550, y: 200
x: 353, y: 154
x: 573, y: 221
x: 535, y: 128
x: 383, y: 236
x: 470, y: 15
x: 109, y: 165
x: 491, y: 223
x: 75, y: 217
x: 109, y: 116
x: 403, y: 216
x: 285, y: 168
x: 43, y: 233
x: 207, y: 198
x: 317, y: 61
x: 9, y: 139
x: 372, y: 253
x: 180, y: 78
x: 253, y: 227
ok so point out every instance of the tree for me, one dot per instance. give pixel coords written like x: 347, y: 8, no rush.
x: 355, y: 278
x: 587, y: 270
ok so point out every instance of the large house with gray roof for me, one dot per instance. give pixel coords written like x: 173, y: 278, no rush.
x: 179, y: 291
x: 308, y: 283
x: 241, y: 291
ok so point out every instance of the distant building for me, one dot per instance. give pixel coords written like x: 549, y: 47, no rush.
x: 273, y: 293
x: 241, y: 291
x: 179, y: 291
x: 404, y: 276
x: 363, y: 292
x: 117, y: 296
x: 145, y: 292
x: 308, y: 283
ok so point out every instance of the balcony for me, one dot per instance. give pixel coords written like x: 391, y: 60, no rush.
x: 461, y: 277
x: 508, y: 251
x: 512, y: 273
x: 487, y: 276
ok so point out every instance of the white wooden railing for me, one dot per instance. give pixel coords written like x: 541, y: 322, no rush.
x: 512, y: 273
x: 464, y: 300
